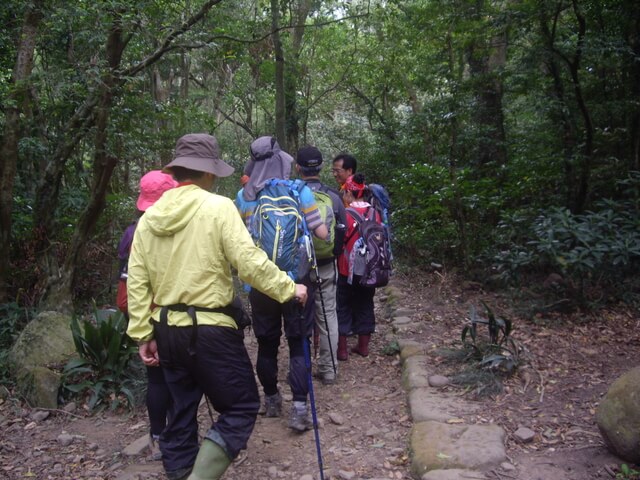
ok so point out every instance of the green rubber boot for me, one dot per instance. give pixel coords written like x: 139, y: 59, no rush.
x: 211, y: 462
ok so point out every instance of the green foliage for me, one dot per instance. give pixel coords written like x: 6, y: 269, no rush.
x: 597, y: 248
x: 410, y: 106
x: 627, y: 473
x: 392, y: 348
x: 496, y: 351
x: 100, y: 371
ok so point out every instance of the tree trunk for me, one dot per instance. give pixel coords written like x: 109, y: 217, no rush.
x: 457, y: 206
x: 562, y: 114
x: 47, y: 196
x: 280, y: 110
x: 578, y: 161
x: 486, y: 58
x: 14, y: 107
x: 586, y: 159
x: 60, y: 290
x: 293, y: 75
x: 416, y: 108
x: 161, y: 92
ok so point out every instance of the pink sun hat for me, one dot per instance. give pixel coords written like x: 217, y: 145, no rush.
x: 152, y: 186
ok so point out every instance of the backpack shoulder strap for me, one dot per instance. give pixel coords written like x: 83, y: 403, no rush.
x: 371, y: 214
x: 326, y: 189
x: 295, y: 190
x: 356, y: 216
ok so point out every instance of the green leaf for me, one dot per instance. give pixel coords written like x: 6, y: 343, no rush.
x: 75, y: 363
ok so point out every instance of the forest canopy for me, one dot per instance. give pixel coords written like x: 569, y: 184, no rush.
x: 507, y: 132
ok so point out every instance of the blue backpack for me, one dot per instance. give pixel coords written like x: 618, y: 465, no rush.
x: 382, y: 203
x: 278, y: 226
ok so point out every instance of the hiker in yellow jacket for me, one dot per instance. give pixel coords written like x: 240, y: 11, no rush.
x: 181, y: 259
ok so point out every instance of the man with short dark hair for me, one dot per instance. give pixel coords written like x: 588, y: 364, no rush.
x: 183, y: 314
x: 323, y: 289
x: 344, y: 165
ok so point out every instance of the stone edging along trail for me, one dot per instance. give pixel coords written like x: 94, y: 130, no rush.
x: 442, y: 445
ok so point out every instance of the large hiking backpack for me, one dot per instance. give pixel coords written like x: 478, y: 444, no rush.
x: 324, y: 248
x: 369, y: 256
x: 382, y: 203
x: 278, y: 226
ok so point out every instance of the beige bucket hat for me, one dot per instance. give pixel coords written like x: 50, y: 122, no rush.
x: 200, y: 152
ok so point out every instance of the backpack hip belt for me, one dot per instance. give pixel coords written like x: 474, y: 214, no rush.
x: 233, y: 310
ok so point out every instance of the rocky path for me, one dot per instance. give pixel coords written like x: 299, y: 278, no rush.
x: 390, y: 416
x: 363, y: 429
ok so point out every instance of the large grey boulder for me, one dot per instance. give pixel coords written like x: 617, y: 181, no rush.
x: 44, y: 343
x: 618, y: 416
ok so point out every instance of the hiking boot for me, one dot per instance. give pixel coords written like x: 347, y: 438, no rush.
x: 181, y: 474
x: 343, y: 351
x: 362, y: 348
x: 299, y: 418
x: 154, y: 448
x: 273, y: 405
x: 211, y: 462
x: 326, y: 378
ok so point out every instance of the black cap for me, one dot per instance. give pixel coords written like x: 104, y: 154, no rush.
x: 309, y: 156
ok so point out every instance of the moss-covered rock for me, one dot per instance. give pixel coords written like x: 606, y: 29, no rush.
x: 39, y: 385
x: 45, y: 343
x: 618, y: 416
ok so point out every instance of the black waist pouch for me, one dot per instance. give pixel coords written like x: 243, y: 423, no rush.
x: 239, y: 314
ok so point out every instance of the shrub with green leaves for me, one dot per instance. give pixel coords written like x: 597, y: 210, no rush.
x: 100, y: 370
x: 597, y: 248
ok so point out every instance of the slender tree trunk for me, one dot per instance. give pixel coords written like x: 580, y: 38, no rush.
x: 77, y: 127
x: 562, y: 114
x: 280, y: 110
x: 578, y: 160
x: 60, y: 290
x: 293, y: 75
x: 160, y: 92
x: 586, y: 160
x: 457, y: 207
x: 486, y: 58
x: 14, y: 107
x: 416, y: 108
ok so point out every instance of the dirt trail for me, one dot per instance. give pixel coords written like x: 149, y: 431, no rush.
x: 364, y: 421
x: 363, y: 430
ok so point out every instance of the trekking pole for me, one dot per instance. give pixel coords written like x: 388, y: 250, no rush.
x: 311, y: 253
x: 312, y: 400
